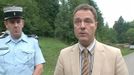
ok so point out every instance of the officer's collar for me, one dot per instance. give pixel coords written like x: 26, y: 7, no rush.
x: 22, y: 38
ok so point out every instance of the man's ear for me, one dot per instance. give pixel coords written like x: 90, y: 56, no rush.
x: 96, y: 23
x: 5, y: 23
x: 23, y: 22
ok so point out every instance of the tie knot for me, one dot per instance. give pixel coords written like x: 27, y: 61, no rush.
x: 85, y: 52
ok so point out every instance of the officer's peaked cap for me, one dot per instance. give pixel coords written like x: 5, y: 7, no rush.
x: 11, y: 12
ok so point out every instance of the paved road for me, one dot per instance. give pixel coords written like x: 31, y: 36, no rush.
x: 130, y: 63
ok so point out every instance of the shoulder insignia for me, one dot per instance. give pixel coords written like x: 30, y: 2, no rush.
x: 4, y: 35
x: 33, y: 36
x: 4, y: 48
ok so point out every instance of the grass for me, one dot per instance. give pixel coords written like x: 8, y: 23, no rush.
x: 51, y: 48
x: 126, y: 51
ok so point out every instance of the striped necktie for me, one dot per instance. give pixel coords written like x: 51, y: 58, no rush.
x: 85, y: 61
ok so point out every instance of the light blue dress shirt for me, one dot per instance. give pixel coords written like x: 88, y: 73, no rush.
x: 19, y: 57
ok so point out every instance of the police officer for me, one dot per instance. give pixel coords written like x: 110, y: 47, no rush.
x: 19, y: 54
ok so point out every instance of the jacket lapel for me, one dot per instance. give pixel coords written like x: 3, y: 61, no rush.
x: 75, y: 60
x: 98, y: 59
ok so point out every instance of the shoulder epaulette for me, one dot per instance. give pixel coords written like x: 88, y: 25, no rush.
x: 4, y: 35
x: 33, y: 36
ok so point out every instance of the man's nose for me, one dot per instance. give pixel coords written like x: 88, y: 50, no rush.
x: 16, y: 24
x: 82, y: 25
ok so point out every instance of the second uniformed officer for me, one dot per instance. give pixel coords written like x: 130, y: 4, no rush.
x: 19, y: 54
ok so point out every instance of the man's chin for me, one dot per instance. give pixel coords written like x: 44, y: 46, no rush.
x: 83, y: 39
x: 17, y: 34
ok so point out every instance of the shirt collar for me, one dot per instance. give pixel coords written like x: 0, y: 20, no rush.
x: 90, y: 47
x: 22, y: 38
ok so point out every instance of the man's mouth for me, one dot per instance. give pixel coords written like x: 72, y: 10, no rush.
x: 82, y: 33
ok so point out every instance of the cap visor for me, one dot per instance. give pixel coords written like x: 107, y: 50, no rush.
x: 15, y: 17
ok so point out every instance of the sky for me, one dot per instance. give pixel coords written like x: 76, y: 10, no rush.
x: 112, y: 9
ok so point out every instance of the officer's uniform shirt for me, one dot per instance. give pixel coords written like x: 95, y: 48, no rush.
x: 19, y: 57
x: 6, y: 33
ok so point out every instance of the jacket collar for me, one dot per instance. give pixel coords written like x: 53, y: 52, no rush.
x: 98, y: 59
x: 75, y: 58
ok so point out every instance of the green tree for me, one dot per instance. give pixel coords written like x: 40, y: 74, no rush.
x: 63, y: 23
x: 121, y: 27
x: 130, y: 24
x: 109, y: 34
x: 48, y: 10
x: 2, y: 27
x: 130, y: 35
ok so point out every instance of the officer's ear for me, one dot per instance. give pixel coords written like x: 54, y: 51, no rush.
x: 23, y: 22
x: 5, y: 23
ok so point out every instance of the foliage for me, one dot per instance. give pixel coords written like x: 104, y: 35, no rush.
x: 118, y: 26
x: 130, y: 24
x: 48, y: 10
x: 130, y: 35
x: 121, y: 27
x: 109, y: 35
x: 63, y: 23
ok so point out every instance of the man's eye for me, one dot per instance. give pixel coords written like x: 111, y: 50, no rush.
x: 77, y: 21
x: 88, y: 21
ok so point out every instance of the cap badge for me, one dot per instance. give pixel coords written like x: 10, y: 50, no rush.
x: 14, y: 13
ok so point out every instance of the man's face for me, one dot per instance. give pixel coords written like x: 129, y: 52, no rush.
x: 84, y: 26
x: 15, y: 27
